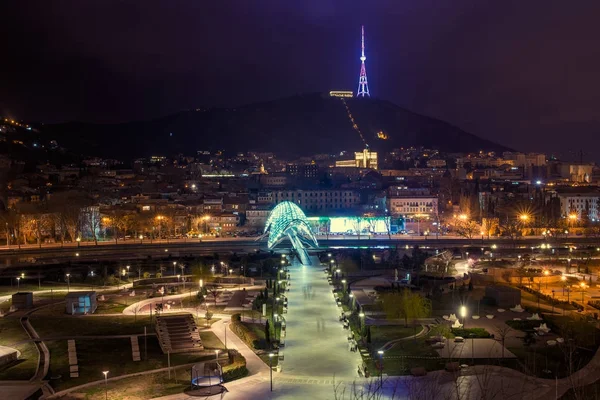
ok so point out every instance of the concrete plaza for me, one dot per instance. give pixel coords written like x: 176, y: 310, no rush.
x: 316, y: 343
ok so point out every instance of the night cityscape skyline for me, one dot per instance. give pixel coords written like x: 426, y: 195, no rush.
x: 212, y: 200
x: 421, y: 56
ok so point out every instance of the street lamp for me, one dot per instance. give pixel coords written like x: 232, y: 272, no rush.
x: 564, y: 280
x: 362, y: 323
x: 105, y: 384
x: 18, y: 279
x: 178, y: 276
x: 380, y: 352
x: 271, y: 368
x: 463, y: 314
x: 78, y: 240
x: 225, y: 325
x: 174, y: 265
x: 583, y: 286
x: 546, y: 273
x: 68, y: 282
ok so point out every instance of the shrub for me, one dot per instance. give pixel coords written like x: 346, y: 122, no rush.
x: 244, y: 333
x: 477, y: 332
x: 235, y: 373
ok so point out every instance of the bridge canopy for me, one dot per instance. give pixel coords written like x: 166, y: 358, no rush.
x: 288, y: 220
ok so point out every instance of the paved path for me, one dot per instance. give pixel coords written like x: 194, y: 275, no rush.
x: 316, y: 343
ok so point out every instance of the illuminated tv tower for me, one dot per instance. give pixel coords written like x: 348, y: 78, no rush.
x: 363, y: 86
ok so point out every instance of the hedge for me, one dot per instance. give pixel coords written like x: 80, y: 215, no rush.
x: 242, y: 331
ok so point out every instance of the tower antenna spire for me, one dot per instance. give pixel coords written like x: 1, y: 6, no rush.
x: 363, y: 86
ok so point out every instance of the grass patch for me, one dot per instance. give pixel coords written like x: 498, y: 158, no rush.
x: 210, y: 340
x: 524, y: 325
x: 411, y: 350
x: 380, y: 335
x: 52, y: 322
x: 137, y: 388
x: 11, y: 332
x: 480, y: 333
x: 114, y: 355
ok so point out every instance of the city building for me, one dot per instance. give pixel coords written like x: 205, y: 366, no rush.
x: 581, y: 173
x: 319, y: 200
x: 341, y: 93
x: 362, y: 159
x: 581, y: 204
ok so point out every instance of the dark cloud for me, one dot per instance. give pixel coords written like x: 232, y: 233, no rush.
x: 523, y: 73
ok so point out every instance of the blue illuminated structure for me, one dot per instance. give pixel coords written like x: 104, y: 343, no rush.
x: 288, y: 220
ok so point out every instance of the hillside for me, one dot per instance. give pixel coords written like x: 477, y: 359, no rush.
x: 298, y: 125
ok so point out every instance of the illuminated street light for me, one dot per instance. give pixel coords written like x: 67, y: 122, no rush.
x: 380, y: 352
x: 463, y: 314
x: 546, y: 273
x: 68, y: 282
x: 105, y: 384
x: 18, y: 279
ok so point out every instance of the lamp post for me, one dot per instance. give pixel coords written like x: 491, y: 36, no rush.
x: 472, y: 336
x: 271, y: 368
x: 174, y: 265
x: 18, y: 279
x: 105, y: 384
x: 225, y: 326
x: 128, y: 271
x: 78, y: 240
x: 564, y: 280
x: 380, y: 352
x: 68, y: 283
x: 583, y: 285
x: 568, y: 265
x: 546, y: 273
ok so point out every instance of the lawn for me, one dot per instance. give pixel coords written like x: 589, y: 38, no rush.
x: 210, y: 340
x: 68, y: 325
x: 137, y: 388
x: 406, y: 355
x: 12, y: 332
x: 380, y: 335
x: 114, y: 355
x: 540, y: 357
x: 476, y: 332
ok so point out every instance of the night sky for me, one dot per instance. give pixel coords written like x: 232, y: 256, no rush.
x: 522, y: 73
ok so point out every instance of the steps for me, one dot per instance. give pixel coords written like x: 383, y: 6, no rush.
x: 178, y: 333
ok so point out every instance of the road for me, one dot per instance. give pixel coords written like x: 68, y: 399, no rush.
x: 130, y: 249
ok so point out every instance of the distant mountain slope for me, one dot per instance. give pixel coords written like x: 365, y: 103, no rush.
x: 298, y: 125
